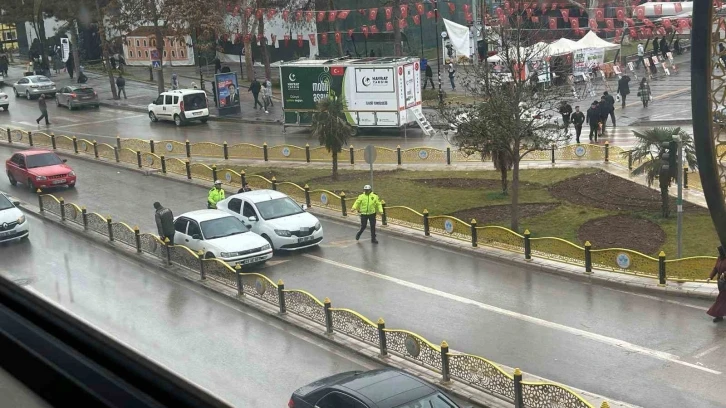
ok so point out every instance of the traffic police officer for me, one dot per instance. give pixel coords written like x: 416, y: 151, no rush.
x: 216, y: 194
x: 367, y: 205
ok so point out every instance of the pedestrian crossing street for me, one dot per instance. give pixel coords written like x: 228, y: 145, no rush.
x: 617, y: 136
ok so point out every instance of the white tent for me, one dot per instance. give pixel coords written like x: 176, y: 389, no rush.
x: 591, y: 40
x: 561, y: 47
x: 459, y: 36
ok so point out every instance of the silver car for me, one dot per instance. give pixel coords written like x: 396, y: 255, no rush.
x: 33, y: 86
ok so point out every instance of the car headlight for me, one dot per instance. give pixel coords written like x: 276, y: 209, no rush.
x: 283, y: 233
x: 21, y: 220
x: 40, y: 178
x: 226, y: 254
x: 318, y: 226
x: 72, y: 173
x: 266, y: 247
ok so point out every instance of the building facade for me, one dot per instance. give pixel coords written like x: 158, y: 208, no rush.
x: 140, y: 42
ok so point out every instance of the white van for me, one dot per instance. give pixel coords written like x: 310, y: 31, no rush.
x: 180, y: 106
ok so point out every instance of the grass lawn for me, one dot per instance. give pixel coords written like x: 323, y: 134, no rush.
x: 407, y: 188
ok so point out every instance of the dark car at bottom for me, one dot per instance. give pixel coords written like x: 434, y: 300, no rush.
x: 383, y: 388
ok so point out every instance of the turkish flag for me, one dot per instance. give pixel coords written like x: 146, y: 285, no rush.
x: 667, y: 23
x: 417, y: 19
x: 338, y: 37
x: 633, y: 33
x: 404, y: 10
x: 259, y: 13
x: 299, y: 40
x: 420, y: 8
x: 529, y: 12
x: 452, y: 7
x: 535, y: 19
x: 661, y: 31
x: 365, y: 31
x: 248, y: 12
x: 593, y: 24
x: 503, y: 19
x: 640, y: 12
x: 599, y: 14
x: 229, y: 7
x: 372, y: 14
x: 619, y: 32
x: 389, y: 12
x: 620, y: 13
x: 337, y: 71
x: 321, y: 16
x: 312, y: 39
x: 469, y: 17
x: 350, y: 33
x: 389, y: 26
x: 553, y: 23
x: 285, y: 14
x: 309, y: 16
x: 678, y: 7
x: 647, y: 22
x: 324, y: 38
x: 565, y: 14
x: 658, y: 9
x: 630, y: 22
x: 332, y: 15
x: 610, y: 24
x: 343, y: 14
x: 466, y: 8
x: 374, y: 29
x: 271, y: 13
x: 574, y: 23
x: 430, y: 14
x: 402, y: 23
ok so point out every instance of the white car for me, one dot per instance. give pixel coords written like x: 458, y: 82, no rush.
x: 222, y: 236
x: 13, y: 225
x: 4, y: 101
x: 33, y: 86
x: 276, y: 217
x: 180, y: 106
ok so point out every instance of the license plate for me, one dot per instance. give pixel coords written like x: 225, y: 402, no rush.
x: 5, y: 234
x: 59, y: 181
x: 305, y: 239
x: 252, y: 260
x: 196, y: 113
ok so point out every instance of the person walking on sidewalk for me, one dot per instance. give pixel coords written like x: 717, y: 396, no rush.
x: 164, y: 222
x: 452, y: 73
x: 429, y: 77
x: 611, y: 104
x: 216, y: 194
x: 578, y: 118
x: 121, y: 85
x: 255, y: 89
x: 268, y: 83
x: 566, y: 111
x: 266, y: 96
x: 593, y: 119
x: 656, y: 46
x: 641, y: 56
x: 368, y: 205
x: 664, y: 49
x: 623, y: 89
x: 644, y: 92
x: 718, y: 310
x: 174, y: 81
x: 43, y: 110
x: 604, y: 107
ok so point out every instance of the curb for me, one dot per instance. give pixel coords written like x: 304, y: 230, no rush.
x: 459, y: 389
x: 655, y: 123
x: 211, y: 118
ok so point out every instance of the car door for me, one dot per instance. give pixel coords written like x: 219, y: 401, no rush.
x: 13, y: 166
x: 166, y: 110
x: 62, y: 96
x: 175, y: 106
x: 194, y: 233
x: 180, y: 231
x: 249, y: 210
x: 22, y: 170
x: 22, y: 85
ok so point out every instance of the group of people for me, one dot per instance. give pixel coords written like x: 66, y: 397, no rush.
x: 266, y: 88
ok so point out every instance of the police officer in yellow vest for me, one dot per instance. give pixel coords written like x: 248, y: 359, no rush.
x: 216, y: 194
x: 368, y: 204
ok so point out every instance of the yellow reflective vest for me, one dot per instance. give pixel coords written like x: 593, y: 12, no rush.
x: 368, y: 204
x: 214, y: 197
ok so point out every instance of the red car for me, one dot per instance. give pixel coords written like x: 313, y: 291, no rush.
x: 39, y: 169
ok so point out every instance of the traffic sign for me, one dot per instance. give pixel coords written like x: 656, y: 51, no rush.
x: 154, y: 54
x: 369, y: 154
x: 156, y: 64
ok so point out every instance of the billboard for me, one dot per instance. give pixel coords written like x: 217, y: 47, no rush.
x: 227, y: 90
x: 304, y: 87
x: 374, y: 80
x: 371, y: 89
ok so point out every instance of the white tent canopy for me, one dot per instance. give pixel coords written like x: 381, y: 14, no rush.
x: 561, y: 47
x: 591, y: 40
x: 459, y: 37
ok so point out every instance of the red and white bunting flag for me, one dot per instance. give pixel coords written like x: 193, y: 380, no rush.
x: 553, y: 23
x: 430, y: 14
x: 321, y: 16
x: 658, y: 9
x: 332, y: 15
x: 403, y: 9
x: 574, y: 23
x: 452, y: 7
x: 620, y: 13
x: 273, y: 37
x: 417, y: 19
x: 610, y: 24
x: 593, y: 24
x: 350, y: 33
x: 309, y: 16
x: 287, y: 39
x: 343, y: 14
x: 373, y: 14
x: 324, y: 38
x: 389, y: 26
x: 678, y: 7
x: 285, y: 14
x: 259, y: 13
x: 312, y: 39
x: 364, y: 29
x: 565, y: 14
x: 420, y: 8
x: 300, y: 40
x: 599, y: 14
x: 389, y: 12
x: 338, y: 37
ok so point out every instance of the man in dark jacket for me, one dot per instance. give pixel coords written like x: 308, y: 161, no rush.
x: 664, y: 49
x: 604, y: 107
x: 429, y: 77
x: 624, y: 88
x: 593, y: 119
x: 121, y: 85
x: 43, y: 110
x: 577, y: 118
x: 255, y: 88
x: 565, y: 111
x: 611, y: 103
x: 164, y: 222
x: 656, y: 46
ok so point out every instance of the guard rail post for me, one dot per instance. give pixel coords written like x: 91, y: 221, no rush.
x: 426, y: 222
x: 240, y: 285
x: 307, y: 195
x: 398, y: 154
x: 225, y: 150
x: 109, y: 222
x: 265, y: 153
x: 445, y: 372
x: 214, y: 172
x: 281, y: 296
x: 75, y: 145
x: 202, y: 273
x: 630, y: 160
x: 328, y: 317
x: 342, y: 204
x: 188, y: 149
x: 307, y: 152
x: 95, y: 149
x: 10, y: 135
x: 138, y: 158
x: 167, y: 244
x: 115, y: 154
x: 382, y: 346
x: 118, y: 142
x: 552, y: 153
x: 384, y: 216
x: 352, y: 154
x: 518, y: 398
x: 30, y: 138
x: 607, y: 151
x: 40, y: 200
x: 588, y: 257
x: 661, y: 269
x: 685, y: 178
x: 163, y: 164
x: 52, y: 140
x: 274, y: 183
x: 62, y: 203
x: 474, y: 237
x: 188, y: 167
x: 137, y: 239
x: 527, y: 245
x: 84, y: 217
x: 151, y: 146
x: 448, y: 155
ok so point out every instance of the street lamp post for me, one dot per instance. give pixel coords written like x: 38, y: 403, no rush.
x: 679, y: 201
x: 438, y: 50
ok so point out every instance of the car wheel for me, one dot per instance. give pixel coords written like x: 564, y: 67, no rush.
x: 269, y: 241
x: 27, y: 95
x: 7, y: 108
x: 12, y: 180
x: 31, y: 187
x: 153, y: 117
x: 209, y: 255
x: 70, y: 105
x: 177, y: 120
x: 57, y: 101
x: 16, y: 92
x: 72, y: 185
x: 203, y: 120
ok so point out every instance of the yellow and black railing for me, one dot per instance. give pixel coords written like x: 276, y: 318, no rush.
x: 473, y: 370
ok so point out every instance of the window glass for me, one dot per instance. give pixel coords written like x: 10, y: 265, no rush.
x: 173, y: 54
x: 176, y: 100
x: 160, y: 100
x: 21, y: 161
x: 138, y: 53
x: 249, y: 211
x: 339, y: 400
x: 222, y: 227
x: 181, y: 53
x: 167, y: 100
x: 181, y: 225
x: 137, y: 43
x: 235, y: 204
x: 193, y: 229
x: 432, y: 401
x: 16, y: 159
x: 42, y: 160
x: 144, y: 43
x: 278, y: 208
x: 195, y: 101
x: 5, y: 203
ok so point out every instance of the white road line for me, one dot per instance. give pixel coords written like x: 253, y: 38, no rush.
x: 98, y: 121
x: 530, y: 319
x: 707, y: 351
x: 656, y: 298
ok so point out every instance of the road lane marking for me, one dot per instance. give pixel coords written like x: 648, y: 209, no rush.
x: 98, y: 121
x: 656, y: 298
x: 707, y: 351
x: 519, y: 316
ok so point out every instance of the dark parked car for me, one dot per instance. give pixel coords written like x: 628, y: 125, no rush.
x: 383, y: 388
x: 76, y: 97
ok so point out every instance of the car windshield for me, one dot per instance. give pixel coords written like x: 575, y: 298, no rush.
x: 5, y: 203
x: 431, y: 401
x: 41, y: 79
x: 278, y: 208
x: 222, y: 227
x: 195, y: 101
x: 42, y: 160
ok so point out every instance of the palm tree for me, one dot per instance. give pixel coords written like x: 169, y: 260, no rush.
x: 331, y: 129
x: 652, y: 145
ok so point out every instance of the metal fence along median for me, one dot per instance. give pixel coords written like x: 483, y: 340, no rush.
x: 620, y: 260
x: 470, y: 369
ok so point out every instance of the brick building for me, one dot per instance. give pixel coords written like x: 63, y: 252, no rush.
x: 140, y: 42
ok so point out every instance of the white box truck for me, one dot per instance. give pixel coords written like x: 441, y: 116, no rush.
x: 378, y: 92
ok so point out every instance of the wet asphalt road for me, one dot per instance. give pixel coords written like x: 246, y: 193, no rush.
x: 653, y: 352
x: 242, y: 356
